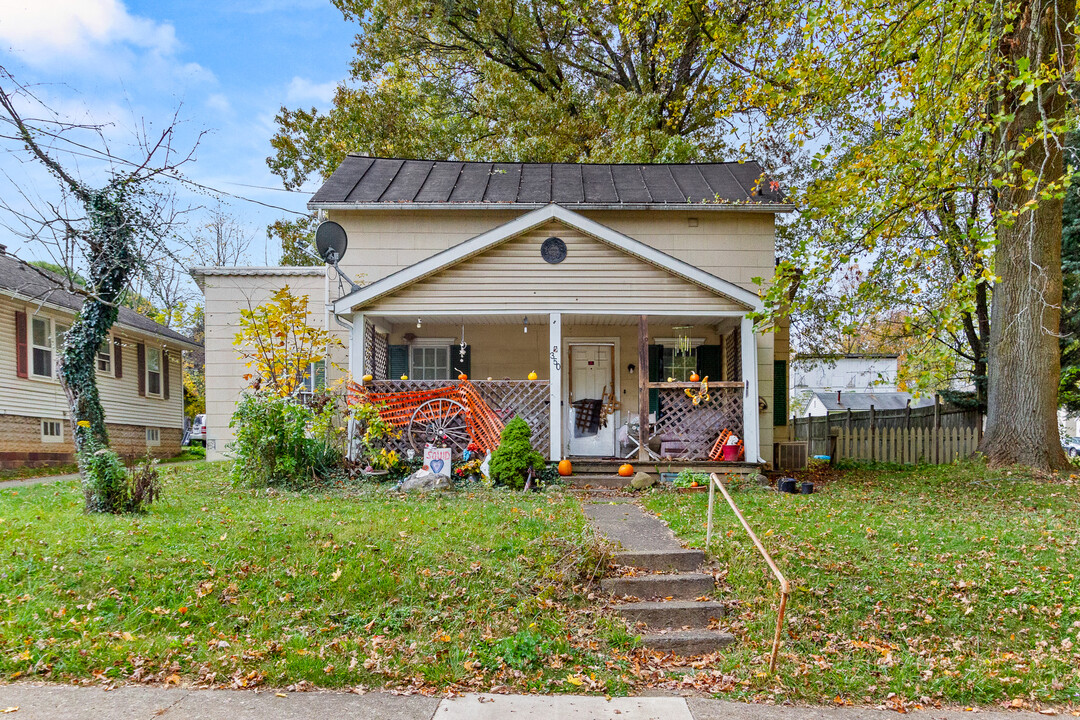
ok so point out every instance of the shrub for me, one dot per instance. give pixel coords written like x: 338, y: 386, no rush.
x: 281, y: 443
x: 110, y: 488
x: 512, y: 461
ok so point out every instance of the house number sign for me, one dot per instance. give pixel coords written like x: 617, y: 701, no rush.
x: 555, y: 357
x: 553, y: 250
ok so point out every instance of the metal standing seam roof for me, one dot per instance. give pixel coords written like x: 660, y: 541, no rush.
x: 387, y: 182
x: 18, y: 278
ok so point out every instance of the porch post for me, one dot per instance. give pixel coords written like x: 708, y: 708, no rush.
x: 751, y: 416
x: 357, y: 336
x: 555, y: 384
x: 643, y: 388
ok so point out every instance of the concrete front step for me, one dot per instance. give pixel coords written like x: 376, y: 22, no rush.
x: 662, y: 560
x: 688, y: 642
x: 673, y: 613
x: 681, y: 587
x: 599, y: 481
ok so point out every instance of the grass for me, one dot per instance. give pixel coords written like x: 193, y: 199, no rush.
x: 219, y: 585
x: 948, y: 584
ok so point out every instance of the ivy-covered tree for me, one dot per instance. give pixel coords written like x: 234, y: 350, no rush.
x: 110, y: 226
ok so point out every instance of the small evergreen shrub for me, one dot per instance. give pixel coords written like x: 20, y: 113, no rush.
x: 512, y: 461
x: 108, y: 486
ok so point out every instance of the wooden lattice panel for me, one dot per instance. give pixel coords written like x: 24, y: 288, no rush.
x: 693, y: 429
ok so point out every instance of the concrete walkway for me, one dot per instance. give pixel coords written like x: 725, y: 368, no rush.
x: 67, y: 702
x: 75, y: 476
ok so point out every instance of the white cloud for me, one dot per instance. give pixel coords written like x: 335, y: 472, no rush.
x: 45, y: 32
x: 304, y: 90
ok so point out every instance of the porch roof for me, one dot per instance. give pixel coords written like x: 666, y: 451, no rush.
x: 706, y: 285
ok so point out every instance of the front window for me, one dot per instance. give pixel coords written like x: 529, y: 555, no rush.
x: 41, y: 342
x: 680, y: 365
x: 430, y: 363
x: 153, y: 371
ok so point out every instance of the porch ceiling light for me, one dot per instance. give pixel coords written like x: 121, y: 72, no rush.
x: 417, y: 323
x: 526, y: 323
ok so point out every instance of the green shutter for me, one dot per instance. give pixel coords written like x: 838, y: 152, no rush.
x: 458, y: 364
x: 780, y: 392
x: 710, y: 361
x: 399, y: 361
x: 656, y: 374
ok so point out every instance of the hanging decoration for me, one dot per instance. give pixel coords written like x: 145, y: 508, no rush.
x: 683, y: 344
x: 461, y: 352
x: 417, y: 323
x: 526, y: 324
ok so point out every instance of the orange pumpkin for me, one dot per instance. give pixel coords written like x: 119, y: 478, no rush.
x: 462, y: 376
x: 694, y: 377
x: 565, y: 468
x: 626, y: 470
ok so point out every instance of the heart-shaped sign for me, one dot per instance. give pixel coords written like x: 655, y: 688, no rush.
x: 437, y: 466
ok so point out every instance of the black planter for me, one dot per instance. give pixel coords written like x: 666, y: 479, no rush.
x: 787, y: 485
x: 807, y: 488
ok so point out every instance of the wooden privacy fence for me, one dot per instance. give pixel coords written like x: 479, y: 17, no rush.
x: 935, y: 434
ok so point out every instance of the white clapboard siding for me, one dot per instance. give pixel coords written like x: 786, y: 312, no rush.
x: 120, y: 398
x: 513, y: 276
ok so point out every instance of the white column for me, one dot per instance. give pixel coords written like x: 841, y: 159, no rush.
x: 555, y: 355
x: 356, y: 367
x: 751, y: 416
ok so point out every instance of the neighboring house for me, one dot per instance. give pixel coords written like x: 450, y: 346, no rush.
x: 823, y: 403
x: 139, y: 375
x: 604, y: 280
x: 850, y: 373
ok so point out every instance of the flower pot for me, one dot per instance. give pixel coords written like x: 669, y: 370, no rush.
x: 807, y: 488
x: 786, y: 485
x: 731, y: 453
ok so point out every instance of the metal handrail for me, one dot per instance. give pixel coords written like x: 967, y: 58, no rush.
x: 785, y: 587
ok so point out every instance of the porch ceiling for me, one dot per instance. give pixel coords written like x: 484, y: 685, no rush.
x: 540, y: 320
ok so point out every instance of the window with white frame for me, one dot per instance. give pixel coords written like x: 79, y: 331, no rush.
x: 316, y: 377
x: 679, y: 364
x: 105, y: 357
x: 153, y: 436
x: 41, y: 347
x: 153, y: 371
x: 52, y: 431
x: 429, y: 362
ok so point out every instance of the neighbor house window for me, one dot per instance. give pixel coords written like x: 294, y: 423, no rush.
x: 52, y: 431
x: 430, y: 363
x: 316, y: 377
x: 42, y: 347
x: 153, y: 436
x: 153, y: 371
x: 104, y: 357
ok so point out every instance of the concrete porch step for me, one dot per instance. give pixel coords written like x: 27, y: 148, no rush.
x: 673, y: 613
x: 688, y: 642
x: 598, y: 480
x: 686, y: 560
x: 680, y: 587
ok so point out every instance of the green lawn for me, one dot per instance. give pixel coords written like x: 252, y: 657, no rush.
x: 225, y: 585
x: 951, y: 584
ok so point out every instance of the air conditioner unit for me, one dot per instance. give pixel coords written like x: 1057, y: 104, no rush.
x: 790, y: 455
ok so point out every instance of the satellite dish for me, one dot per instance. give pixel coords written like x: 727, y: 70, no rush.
x: 331, y: 242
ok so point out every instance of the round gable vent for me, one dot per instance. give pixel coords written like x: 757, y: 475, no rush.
x: 553, y: 250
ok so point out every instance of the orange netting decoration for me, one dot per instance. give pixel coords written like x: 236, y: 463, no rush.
x: 717, y: 452
x: 483, y: 425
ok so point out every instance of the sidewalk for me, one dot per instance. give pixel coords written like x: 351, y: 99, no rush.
x: 67, y: 702
x: 75, y: 476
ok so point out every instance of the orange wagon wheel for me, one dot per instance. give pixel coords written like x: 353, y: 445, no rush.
x: 439, y: 421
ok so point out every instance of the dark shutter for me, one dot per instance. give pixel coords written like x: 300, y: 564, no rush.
x: 656, y: 374
x: 710, y: 361
x: 118, y: 358
x: 165, y: 374
x: 399, y: 361
x: 319, y: 379
x: 779, y: 401
x: 21, y: 361
x: 140, y: 367
x: 458, y: 364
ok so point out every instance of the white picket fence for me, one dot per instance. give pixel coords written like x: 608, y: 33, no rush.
x: 907, y: 445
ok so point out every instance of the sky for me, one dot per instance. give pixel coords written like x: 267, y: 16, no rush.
x: 226, y: 67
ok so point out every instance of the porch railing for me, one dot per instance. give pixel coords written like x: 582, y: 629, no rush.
x: 687, y: 431
x: 529, y: 399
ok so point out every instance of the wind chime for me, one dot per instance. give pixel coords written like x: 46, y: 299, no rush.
x: 461, y: 352
x: 683, y: 344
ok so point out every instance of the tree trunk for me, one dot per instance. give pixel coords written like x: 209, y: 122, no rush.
x: 1026, y: 306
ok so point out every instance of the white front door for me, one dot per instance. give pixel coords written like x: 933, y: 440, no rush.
x: 591, y: 392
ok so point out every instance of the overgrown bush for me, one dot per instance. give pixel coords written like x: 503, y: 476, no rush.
x: 514, y: 459
x: 108, y: 486
x: 282, y: 443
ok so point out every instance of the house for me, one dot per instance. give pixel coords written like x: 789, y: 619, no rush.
x: 139, y: 374
x: 613, y: 284
x: 851, y: 373
x: 830, y: 401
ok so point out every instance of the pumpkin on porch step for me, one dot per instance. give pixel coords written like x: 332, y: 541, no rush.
x: 626, y: 470
x: 533, y: 376
x: 368, y: 378
x: 462, y: 376
x: 565, y: 468
x: 694, y: 377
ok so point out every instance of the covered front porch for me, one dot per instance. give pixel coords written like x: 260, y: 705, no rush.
x: 610, y: 386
